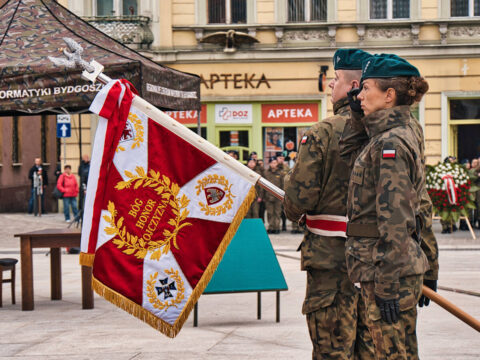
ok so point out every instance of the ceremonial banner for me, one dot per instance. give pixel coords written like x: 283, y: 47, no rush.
x: 159, y: 213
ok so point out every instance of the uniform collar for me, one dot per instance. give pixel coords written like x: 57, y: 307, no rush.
x: 340, y: 106
x: 383, y: 120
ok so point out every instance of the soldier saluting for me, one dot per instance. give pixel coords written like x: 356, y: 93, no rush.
x: 317, y: 187
x: 383, y: 252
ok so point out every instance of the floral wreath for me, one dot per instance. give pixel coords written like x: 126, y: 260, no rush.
x: 158, y: 304
x: 220, y: 209
x: 168, y: 190
x: 450, y: 188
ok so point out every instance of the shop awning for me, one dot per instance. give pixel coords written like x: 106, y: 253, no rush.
x: 32, y: 30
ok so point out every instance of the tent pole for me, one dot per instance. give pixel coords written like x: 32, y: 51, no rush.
x: 80, y: 135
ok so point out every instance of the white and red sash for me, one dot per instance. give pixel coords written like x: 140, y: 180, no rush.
x: 327, y: 225
x: 450, y: 188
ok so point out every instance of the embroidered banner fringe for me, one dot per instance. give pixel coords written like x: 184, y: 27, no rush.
x: 141, y: 313
x: 86, y: 259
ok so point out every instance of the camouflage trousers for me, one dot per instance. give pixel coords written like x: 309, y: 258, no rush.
x: 331, y: 309
x: 254, y: 210
x: 274, y: 214
x: 390, y: 341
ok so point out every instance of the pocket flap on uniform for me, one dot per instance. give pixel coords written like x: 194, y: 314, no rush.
x: 357, y: 175
x: 314, y: 303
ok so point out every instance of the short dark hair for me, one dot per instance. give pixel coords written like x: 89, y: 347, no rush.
x: 67, y: 167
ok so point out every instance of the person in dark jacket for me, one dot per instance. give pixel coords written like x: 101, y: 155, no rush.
x: 35, y: 169
x: 83, y: 171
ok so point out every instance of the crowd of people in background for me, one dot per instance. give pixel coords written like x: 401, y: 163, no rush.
x: 473, y: 167
x: 266, y: 203
x: 66, y: 183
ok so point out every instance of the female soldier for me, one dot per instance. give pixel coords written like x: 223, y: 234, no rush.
x: 383, y: 253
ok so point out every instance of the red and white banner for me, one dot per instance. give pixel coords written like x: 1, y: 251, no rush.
x: 159, y: 213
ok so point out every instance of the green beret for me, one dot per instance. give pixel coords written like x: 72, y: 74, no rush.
x: 387, y: 66
x: 392, y: 56
x: 349, y: 59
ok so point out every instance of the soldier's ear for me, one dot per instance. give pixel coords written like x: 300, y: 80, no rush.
x: 391, y: 96
x: 355, y: 84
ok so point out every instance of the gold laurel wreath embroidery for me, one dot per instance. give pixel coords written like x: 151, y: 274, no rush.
x: 157, y: 304
x: 215, y: 179
x: 168, y: 191
x: 137, y: 124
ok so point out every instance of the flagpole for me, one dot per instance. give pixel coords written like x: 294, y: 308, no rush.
x: 93, y: 71
x: 196, y: 140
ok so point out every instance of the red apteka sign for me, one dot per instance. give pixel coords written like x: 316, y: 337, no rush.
x: 289, y: 113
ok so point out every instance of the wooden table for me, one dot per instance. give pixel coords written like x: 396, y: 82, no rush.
x: 54, y: 239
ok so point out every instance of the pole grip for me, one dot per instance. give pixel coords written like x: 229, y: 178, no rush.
x: 452, y: 309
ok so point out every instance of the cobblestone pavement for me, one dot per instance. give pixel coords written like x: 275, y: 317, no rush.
x: 228, y: 328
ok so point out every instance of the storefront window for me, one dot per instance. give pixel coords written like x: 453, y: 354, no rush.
x: 233, y: 138
x: 203, y: 131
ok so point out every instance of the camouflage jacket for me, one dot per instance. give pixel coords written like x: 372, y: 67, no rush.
x: 276, y: 178
x: 385, y: 187
x: 318, y: 184
x: 354, y: 138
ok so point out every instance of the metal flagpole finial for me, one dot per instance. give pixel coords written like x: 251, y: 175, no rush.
x: 74, y: 58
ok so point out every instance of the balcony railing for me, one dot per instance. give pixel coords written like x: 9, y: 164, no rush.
x: 133, y: 31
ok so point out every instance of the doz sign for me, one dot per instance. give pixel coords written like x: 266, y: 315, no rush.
x: 290, y: 113
x: 233, y: 113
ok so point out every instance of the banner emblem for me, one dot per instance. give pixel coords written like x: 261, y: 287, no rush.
x: 133, y: 131
x: 215, y: 195
x: 172, y: 284
x: 147, y: 215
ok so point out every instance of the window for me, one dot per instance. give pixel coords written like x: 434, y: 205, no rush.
x: 464, y: 8
x: 307, y: 10
x: 389, y: 9
x: 116, y: 7
x: 227, y: 11
x: 465, y: 109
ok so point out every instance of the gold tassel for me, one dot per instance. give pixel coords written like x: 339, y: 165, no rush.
x: 141, y: 313
x: 86, y: 259
x: 133, y: 308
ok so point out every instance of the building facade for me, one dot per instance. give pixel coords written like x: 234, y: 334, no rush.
x: 260, y: 61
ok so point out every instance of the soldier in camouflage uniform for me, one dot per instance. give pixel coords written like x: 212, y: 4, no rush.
x: 354, y: 139
x: 273, y: 205
x: 317, y: 187
x: 383, y: 252
x: 284, y: 168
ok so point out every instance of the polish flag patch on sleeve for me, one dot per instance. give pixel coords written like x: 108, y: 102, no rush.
x: 304, y: 139
x: 388, y: 154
